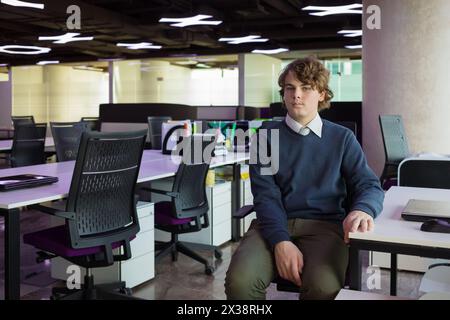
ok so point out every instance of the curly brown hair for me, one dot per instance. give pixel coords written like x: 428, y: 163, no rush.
x: 312, y: 72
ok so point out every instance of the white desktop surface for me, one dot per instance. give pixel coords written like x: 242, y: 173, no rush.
x: 6, y: 145
x: 346, y: 294
x: 154, y: 165
x: 390, y: 227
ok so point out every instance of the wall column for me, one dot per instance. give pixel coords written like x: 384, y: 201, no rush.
x: 407, y: 71
x: 6, y: 101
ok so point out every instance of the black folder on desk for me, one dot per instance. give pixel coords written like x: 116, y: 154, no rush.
x: 25, y: 181
x: 423, y: 210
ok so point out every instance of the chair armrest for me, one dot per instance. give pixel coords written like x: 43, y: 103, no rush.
x: 163, y: 192
x: 243, y: 212
x: 431, y: 266
x: 54, y: 211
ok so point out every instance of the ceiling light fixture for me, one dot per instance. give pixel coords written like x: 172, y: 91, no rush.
x: 87, y: 68
x: 351, y: 33
x: 3, y: 64
x: 245, y: 39
x: 191, y: 21
x: 325, y: 11
x: 16, y: 49
x: 17, y: 3
x: 186, y: 63
x: 359, y: 46
x: 68, y: 37
x: 109, y: 59
x: 272, y: 51
x: 43, y: 63
x: 138, y: 46
x: 183, y: 55
x: 202, y: 65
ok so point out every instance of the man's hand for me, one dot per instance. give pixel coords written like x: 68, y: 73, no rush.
x: 357, y: 221
x: 289, y: 261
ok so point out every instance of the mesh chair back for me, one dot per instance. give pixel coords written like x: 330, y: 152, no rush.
x: 103, y: 186
x: 154, y: 130
x: 394, y: 138
x: 28, y: 146
x: 190, y: 185
x: 349, y: 125
x: 66, y: 136
x: 424, y: 173
x: 93, y: 123
x: 19, y: 120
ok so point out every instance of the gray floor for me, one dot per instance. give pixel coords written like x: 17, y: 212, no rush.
x: 181, y: 280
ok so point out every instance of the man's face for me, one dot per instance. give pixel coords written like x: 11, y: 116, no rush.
x: 301, y: 100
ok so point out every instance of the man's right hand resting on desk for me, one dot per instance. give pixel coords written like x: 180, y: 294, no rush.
x: 289, y: 261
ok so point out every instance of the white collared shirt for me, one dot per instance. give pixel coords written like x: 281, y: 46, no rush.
x: 315, y: 125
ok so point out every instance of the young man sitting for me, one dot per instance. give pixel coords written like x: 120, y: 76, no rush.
x: 302, y: 223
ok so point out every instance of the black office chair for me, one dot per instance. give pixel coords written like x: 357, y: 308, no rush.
x: 395, y: 146
x: 19, y: 120
x: 186, y: 212
x: 28, y: 146
x: 422, y: 173
x: 100, y: 213
x: 66, y: 136
x: 349, y: 125
x: 93, y: 123
x: 154, y: 130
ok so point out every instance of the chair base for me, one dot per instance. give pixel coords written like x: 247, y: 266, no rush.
x: 174, y: 247
x: 89, y: 291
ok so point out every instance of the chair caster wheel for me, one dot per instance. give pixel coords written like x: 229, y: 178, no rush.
x: 217, y: 254
x: 209, y: 270
x: 126, y: 291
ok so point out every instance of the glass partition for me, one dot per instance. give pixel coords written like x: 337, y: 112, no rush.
x: 60, y: 92
x: 198, y: 81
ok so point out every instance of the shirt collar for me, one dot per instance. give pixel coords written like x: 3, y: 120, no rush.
x: 315, y: 125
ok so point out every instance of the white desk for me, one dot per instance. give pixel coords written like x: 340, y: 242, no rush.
x: 394, y: 235
x: 346, y: 294
x: 154, y: 165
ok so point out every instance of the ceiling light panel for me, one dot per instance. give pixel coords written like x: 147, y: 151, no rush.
x: 246, y: 39
x: 17, y: 49
x: 358, y: 46
x: 355, y: 8
x: 139, y: 46
x: 271, y: 51
x: 43, y: 63
x: 191, y: 21
x: 27, y: 4
x: 351, y: 33
x: 68, y: 37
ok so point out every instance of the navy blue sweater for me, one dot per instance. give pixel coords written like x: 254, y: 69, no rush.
x: 315, y: 174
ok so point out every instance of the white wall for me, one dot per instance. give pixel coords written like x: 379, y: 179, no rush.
x: 407, y: 72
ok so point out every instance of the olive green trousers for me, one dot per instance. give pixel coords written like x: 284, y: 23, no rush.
x: 325, y: 258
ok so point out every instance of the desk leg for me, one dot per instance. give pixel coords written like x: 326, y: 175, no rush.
x: 355, y: 268
x: 236, y: 203
x: 12, y: 254
x: 393, y: 274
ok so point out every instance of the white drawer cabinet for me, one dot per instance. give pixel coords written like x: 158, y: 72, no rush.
x: 219, y: 200
x: 134, y: 271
